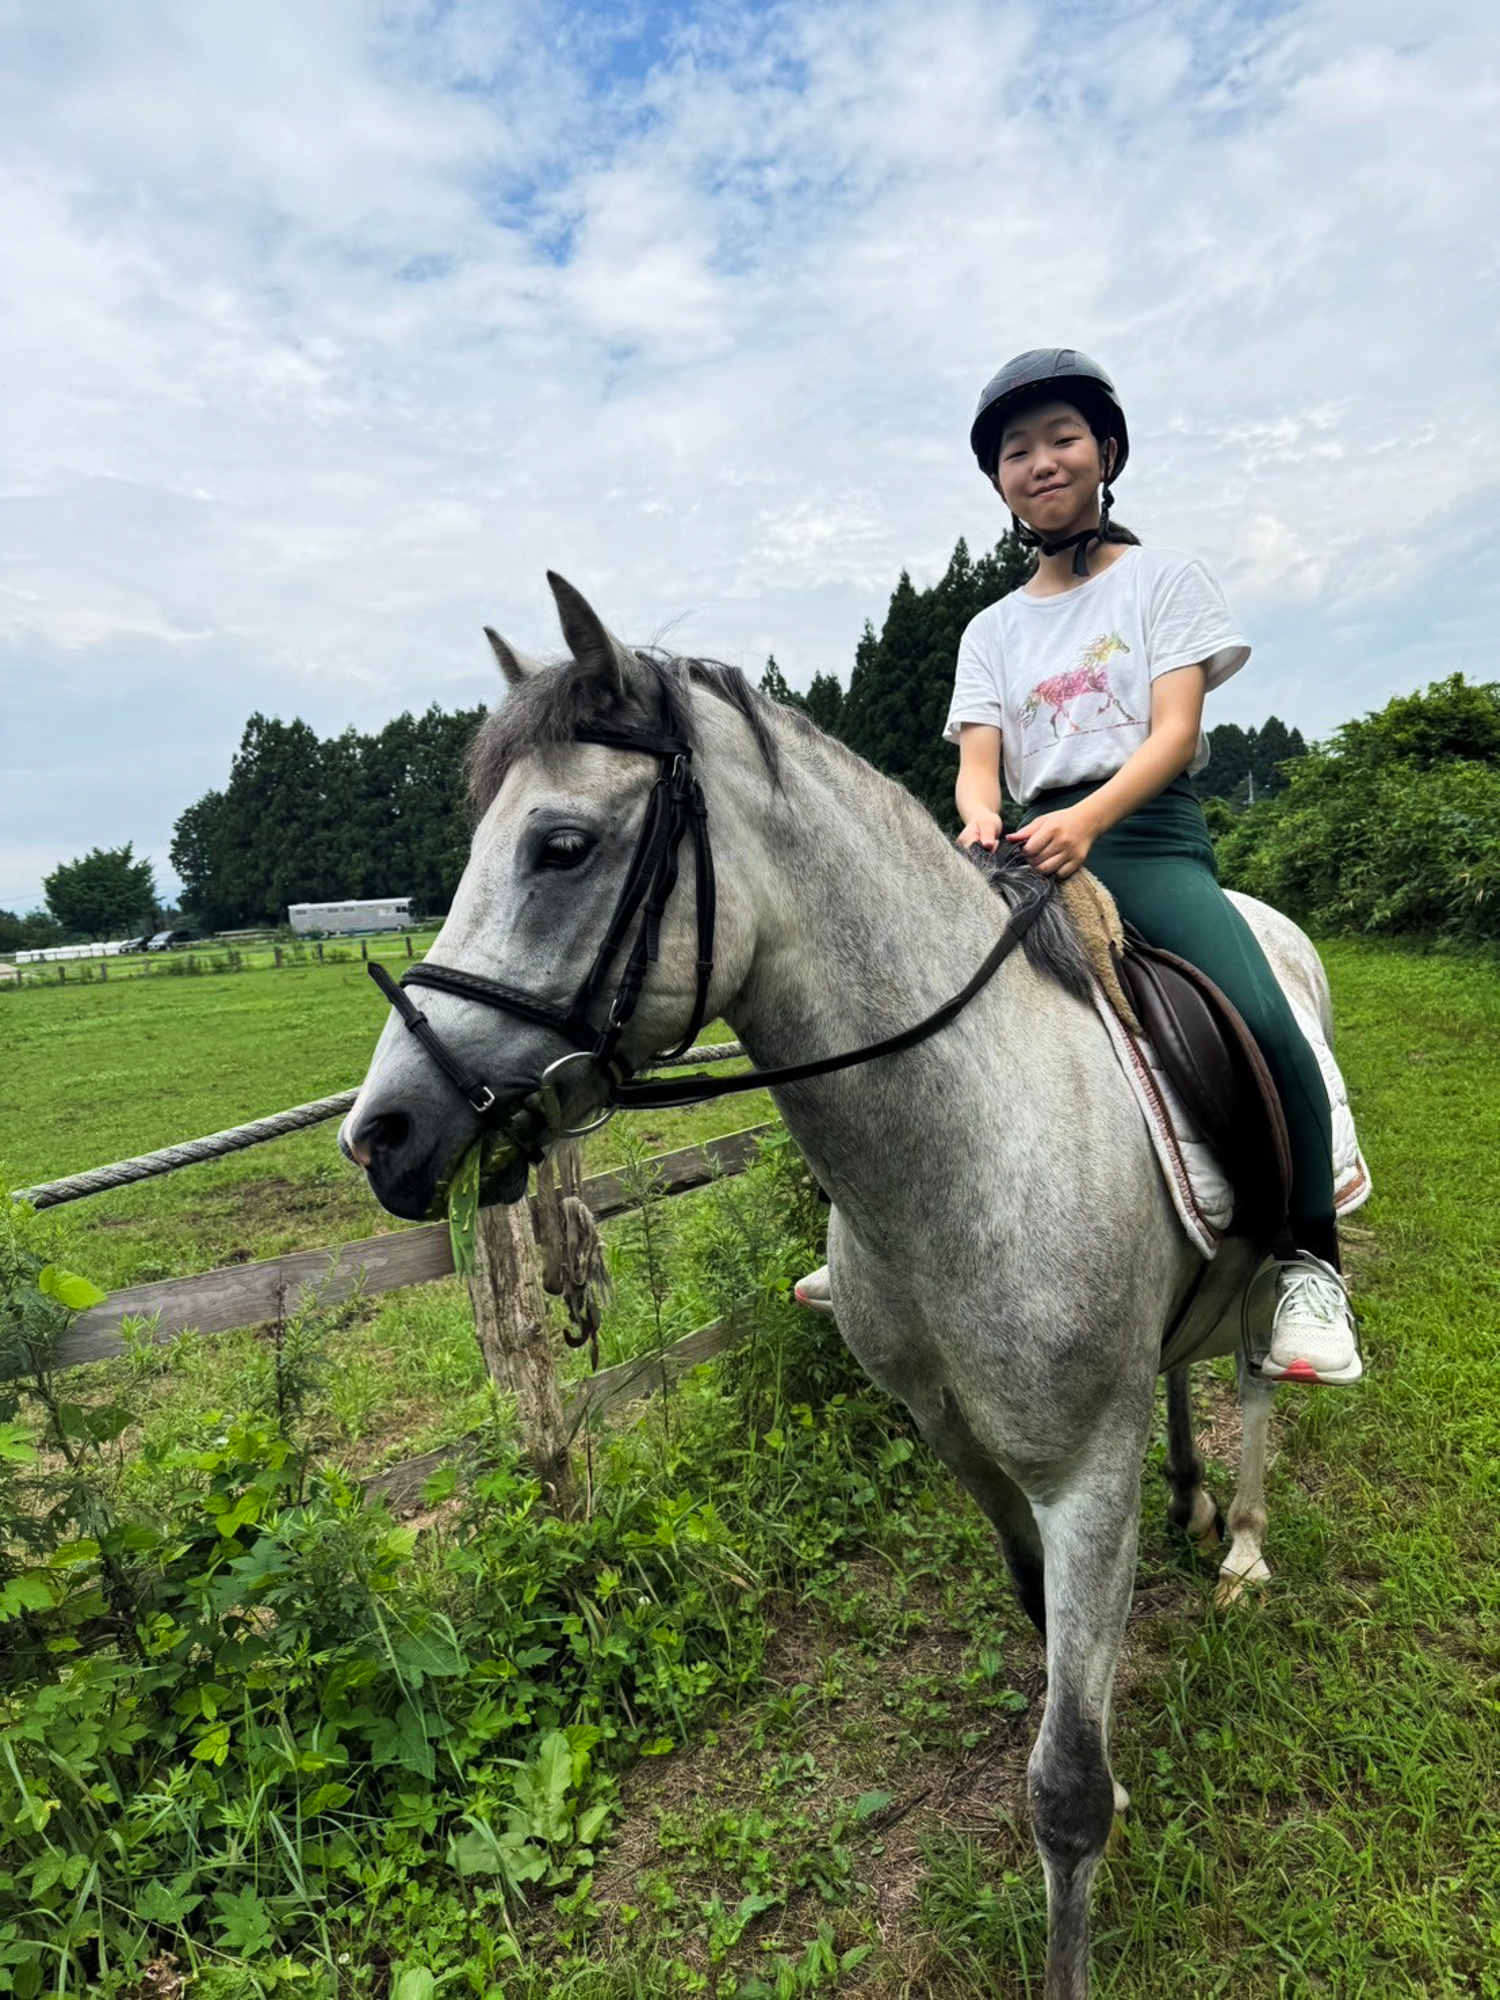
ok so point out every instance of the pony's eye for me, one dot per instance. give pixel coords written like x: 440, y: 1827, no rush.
x: 564, y: 849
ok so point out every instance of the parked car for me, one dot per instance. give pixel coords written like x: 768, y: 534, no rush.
x: 165, y: 940
x: 134, y: 944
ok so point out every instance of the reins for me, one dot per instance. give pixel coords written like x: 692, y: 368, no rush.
x: 675, y: 809
x: 696, y: 1088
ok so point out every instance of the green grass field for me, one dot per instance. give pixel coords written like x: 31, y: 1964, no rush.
x: 101, y: 1072
x: 1315, y: 1775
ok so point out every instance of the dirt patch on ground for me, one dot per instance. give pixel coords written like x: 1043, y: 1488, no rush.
x: 898, y: 1755
x: 862, y: 1721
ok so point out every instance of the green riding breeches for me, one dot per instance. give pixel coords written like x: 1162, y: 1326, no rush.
x: 1158, y: 864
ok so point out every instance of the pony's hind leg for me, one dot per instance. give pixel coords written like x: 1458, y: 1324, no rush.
x: 1243, y: 1563
x: 1192, y: 1508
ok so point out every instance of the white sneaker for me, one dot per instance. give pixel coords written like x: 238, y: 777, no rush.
x: 1312, y: 1335
x: 815, y: 1290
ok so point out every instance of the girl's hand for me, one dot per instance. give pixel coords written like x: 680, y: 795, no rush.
x: 985, y: 830
x: 1058, y: 842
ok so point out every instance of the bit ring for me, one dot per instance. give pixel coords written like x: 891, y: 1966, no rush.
x: 574, y: 1131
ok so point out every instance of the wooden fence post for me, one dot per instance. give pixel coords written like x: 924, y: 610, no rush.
x: 407, y: 935
x: 364, y: 950
x: 510, y: 1319
x: 277, y: 949
x: 320, y: 951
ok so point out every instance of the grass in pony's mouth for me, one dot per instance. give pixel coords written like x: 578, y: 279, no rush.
x: 489, y: 1162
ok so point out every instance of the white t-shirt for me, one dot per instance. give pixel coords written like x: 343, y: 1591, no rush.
x: 1067, y: 679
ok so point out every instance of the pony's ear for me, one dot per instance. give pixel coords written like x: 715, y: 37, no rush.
x: 514, y: 668
x: 589, y: 640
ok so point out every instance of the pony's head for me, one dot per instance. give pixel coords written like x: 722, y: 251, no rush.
x: 558, y: 823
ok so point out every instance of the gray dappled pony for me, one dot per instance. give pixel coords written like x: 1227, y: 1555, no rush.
x: 1004, y: 1255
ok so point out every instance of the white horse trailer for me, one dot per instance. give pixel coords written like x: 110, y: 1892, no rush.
x: 377, y: 913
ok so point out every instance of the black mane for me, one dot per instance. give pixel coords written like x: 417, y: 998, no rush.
x: 1051, y: 945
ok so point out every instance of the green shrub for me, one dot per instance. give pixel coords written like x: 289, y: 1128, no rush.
x: 1392, y: 828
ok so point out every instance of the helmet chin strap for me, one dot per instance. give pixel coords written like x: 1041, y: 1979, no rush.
x: 1079, y: 543
x: 1080, y: 546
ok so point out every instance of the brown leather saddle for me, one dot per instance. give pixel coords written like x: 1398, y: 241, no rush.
x: 1212, y: 1059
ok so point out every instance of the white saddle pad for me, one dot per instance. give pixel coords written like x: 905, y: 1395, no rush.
x: 1198, y: 1186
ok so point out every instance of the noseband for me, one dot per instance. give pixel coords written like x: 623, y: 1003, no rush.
x: 675, y: 807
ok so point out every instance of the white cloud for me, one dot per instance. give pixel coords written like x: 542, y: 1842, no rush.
x: 327, y: 332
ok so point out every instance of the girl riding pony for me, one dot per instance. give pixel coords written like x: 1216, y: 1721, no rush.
x: 1087, y: 684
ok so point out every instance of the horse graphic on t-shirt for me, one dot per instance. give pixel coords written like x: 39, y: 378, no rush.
x: 1090, y: 676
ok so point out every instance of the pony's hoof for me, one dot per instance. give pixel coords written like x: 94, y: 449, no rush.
x: 1205, y: 1528
x: 1241, y: 1585
x: 1122, y: 1799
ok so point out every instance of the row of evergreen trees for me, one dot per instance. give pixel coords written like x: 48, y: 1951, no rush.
x: 307, y: 819
x: 303, y: 819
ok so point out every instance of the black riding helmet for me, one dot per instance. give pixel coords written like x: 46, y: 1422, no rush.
x: 1068, y: 374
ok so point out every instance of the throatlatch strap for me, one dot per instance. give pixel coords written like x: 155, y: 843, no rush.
x: 645, y: 866
x: 706, y: 897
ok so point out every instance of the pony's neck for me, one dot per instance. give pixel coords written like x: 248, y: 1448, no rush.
x: 867, y: 919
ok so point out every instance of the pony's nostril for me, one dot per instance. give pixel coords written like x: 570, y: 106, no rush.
x: 387, y: 1132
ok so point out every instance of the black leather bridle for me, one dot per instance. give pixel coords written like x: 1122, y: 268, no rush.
x: 675, y: 808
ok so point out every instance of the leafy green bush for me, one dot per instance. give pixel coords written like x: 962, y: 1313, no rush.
x: 1393, y: 827
x: 260, y: 1725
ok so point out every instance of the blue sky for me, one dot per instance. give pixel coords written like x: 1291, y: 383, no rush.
x: 329, y: 330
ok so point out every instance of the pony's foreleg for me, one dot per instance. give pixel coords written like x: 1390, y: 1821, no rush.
x: 1006, y: 1507
x: 1089, y: 1537
x: 1192, y: 1507
x: 1243, y: 1563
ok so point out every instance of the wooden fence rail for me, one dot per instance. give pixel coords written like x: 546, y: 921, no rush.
x: 400, y: 1486
x: 510, y: 1317
x: 253, y: 1294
